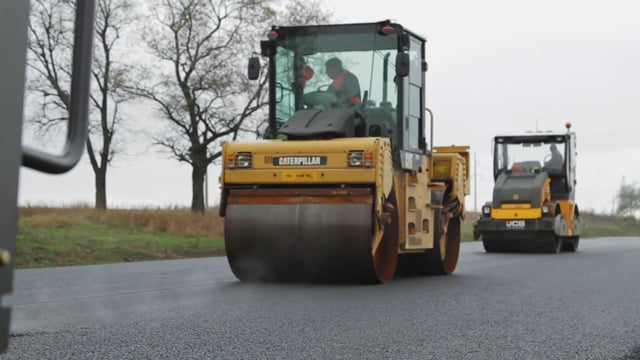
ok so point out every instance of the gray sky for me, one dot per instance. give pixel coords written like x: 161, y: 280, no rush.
x: 494, y: 67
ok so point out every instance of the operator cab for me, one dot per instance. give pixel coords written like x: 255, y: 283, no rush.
x: 388, y: 62
x: 537, y: 152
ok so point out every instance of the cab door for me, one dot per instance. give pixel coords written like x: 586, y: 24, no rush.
x: 413, y: 144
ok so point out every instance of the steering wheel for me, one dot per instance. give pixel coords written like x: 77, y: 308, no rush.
x: 319, y: 98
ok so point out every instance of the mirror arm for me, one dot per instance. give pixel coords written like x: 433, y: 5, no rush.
x: 79, y: 103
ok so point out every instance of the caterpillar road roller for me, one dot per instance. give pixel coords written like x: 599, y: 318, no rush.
x: 343, y: 188
x: 533, y: 207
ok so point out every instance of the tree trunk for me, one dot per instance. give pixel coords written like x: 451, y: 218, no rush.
x: 101, y: 188
x: 197, y: 188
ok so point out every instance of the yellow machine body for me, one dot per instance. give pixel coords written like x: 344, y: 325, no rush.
x: 389, y: 212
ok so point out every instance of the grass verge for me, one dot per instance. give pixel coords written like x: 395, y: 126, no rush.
x: 81, y: 235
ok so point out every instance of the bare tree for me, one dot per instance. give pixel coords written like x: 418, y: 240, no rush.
x: 199, y: 81
x: 304, y: 12
x: 294, y: 12
x: 628, y: 199
x: 49, y: 59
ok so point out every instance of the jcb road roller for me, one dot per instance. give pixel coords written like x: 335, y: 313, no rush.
x: 533, y: 207
x: 345, y: 186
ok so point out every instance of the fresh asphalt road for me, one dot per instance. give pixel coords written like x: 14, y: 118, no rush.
x: 496, y: 306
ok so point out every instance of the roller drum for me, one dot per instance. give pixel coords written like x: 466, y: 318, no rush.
x: 526, y: 242
x: 302, y: 240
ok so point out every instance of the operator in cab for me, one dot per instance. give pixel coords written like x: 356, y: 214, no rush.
x: 555, y: 159
x: 345, y: 84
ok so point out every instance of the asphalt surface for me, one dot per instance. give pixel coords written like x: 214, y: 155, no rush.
x: 496, y: 306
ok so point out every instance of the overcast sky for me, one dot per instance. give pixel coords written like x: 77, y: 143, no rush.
x: 494, y: 67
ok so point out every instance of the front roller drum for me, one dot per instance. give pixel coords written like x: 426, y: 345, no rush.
x: 321, y: 235
x: 522, y: 242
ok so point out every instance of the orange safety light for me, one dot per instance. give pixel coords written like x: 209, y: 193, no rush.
x: 387, y: 29
x: 231, y: 160
x: 368, y: 156
x: 272, y: 35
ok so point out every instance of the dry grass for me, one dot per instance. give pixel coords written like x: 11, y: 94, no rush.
x: 181, y: 222
x: 80, y: 235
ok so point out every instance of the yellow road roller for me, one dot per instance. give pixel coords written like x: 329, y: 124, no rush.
x: 345, y: 186
x: 534, y: 207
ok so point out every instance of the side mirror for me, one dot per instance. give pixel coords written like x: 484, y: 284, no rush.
x: 253, y: 69
x: 402, y: 64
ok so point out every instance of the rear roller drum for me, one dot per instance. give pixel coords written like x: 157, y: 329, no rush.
x: 440, y: 260
x: 443, y: 258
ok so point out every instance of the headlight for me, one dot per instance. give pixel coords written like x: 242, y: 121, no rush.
x: 360, y: 158
x: 486, y: 209
x: 243, y: 160
x: 239, y: 160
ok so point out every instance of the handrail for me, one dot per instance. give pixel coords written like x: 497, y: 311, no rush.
x: 431, y: 129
